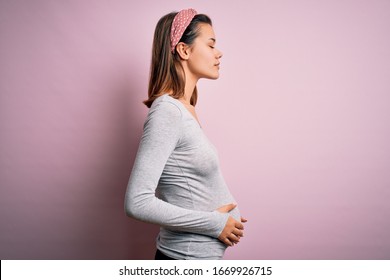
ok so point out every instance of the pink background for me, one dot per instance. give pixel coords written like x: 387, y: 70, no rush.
x: 300, y: 116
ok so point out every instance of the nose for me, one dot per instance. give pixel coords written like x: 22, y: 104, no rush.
x: 219, y: 54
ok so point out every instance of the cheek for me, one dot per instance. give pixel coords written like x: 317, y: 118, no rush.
x: 208, y: 57
x: 203, y: 60
x: 204, y: 53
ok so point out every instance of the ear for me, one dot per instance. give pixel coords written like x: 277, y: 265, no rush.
x: 183, y: 50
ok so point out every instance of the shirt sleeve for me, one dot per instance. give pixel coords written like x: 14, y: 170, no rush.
x: 162, y: 133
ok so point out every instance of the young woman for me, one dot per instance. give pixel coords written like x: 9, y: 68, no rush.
x: 176, y: 180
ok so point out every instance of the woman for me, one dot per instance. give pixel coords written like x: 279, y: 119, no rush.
x: 176, y: 181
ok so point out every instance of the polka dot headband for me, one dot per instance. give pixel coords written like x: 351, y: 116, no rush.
x: 179, y: 25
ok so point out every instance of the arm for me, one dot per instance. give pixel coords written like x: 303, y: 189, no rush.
x: 162, y: 132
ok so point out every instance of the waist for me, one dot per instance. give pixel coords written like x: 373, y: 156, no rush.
x: 189, y: 246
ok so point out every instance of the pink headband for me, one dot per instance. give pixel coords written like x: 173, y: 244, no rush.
x: 179, y: 25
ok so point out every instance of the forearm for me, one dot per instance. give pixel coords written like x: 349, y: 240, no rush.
x: 148, y: 208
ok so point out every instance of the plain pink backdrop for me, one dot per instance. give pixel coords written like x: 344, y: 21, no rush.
x: 300, y: 116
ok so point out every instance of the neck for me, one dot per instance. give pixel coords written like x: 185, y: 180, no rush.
x: 190, y: 83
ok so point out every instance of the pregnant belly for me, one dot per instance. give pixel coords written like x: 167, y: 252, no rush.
x: 235, y: 213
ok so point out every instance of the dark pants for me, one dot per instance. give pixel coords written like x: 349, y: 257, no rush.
x: 160, y: 256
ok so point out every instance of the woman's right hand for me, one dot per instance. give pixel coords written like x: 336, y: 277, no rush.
x: 233, y: 230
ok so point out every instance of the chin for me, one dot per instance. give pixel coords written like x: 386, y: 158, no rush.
x: 213, y: 76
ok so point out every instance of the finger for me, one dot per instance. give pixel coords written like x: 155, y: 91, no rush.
x: 227, y: 242
x: 243, y: 220
x: 238, y: 232
x: 239, y: 225
x: 233, y: 238
x: 230, y: 207
x: 227, y: 208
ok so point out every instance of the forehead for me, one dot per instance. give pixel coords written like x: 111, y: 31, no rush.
x: 206, y: 31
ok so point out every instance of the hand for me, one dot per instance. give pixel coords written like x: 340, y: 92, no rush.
x: 232, y: 231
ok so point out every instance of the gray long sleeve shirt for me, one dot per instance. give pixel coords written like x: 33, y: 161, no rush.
x: 176, y: 182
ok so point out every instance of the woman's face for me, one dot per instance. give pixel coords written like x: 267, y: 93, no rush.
x: 203, y: 61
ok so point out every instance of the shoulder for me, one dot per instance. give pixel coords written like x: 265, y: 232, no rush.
x: 165, y: 105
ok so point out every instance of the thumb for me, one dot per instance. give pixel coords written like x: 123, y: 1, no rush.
x: 227, y: 208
